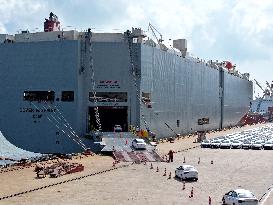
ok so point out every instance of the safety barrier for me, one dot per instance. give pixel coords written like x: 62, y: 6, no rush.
x: 62, y: 182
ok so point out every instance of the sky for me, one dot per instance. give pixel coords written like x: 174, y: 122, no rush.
x: 240, y: 31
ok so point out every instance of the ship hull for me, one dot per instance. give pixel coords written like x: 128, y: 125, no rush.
x: 184, y: 96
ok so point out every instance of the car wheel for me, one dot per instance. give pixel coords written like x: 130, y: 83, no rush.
x: 224, y: 201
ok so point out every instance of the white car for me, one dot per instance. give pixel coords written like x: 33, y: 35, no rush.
x: 139, y: 144
x: 257, y: 145
x: 268, y: 145
x: 186, y: 172
x: 225, y: 144
x: 205, y: 143
x: 236, y: 144
x: 238, y: 197
x: 215, y: 144
x: 117, y: 128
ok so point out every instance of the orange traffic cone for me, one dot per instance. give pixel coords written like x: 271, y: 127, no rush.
x: 209, y: 200
x: 191, y: 195
x: 157, y: 170
x: 170, y: 175
x: 165, y: 173
x: 184, y: 186
x: 152, y: 166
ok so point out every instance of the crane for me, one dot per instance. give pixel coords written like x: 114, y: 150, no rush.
x: 259, y: 85
x: 265, y: 93
x: 153, y: 29
x: 270, y: 88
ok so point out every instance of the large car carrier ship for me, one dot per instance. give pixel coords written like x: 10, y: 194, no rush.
x: 56, y: 86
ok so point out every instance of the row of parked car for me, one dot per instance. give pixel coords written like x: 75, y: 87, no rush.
x: 257, y: 138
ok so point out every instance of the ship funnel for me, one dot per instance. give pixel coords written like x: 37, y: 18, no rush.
x: 181, y: 44
x: 52, y: 23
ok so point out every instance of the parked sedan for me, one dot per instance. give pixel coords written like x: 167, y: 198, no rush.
x: 225, y: 144
x: 236, y: 144
x: 239, y: 196
x: 247, y: 145
x: 215, y: 144
x: 186, y: 172
x: 268, y: 145
x: 205, y: 143
x: 139, y: 144
x: 257, y: 145
x: 117, y: 128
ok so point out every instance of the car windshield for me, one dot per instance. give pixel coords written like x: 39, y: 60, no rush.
x: 236, y: 142
x: 188, y: 167
x: 206, y: 141
x: 226, y: 141
x: 246, y: 195
x: 139, y: 140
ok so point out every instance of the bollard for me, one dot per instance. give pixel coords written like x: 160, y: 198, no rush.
x: 184, y: 185
x: 184, y: 160
x: 211, y: 161
x: 152, y: 166
x: 157, y: 170
x: 199, y: 160
x: 209, y: 200
x: 114, y: 164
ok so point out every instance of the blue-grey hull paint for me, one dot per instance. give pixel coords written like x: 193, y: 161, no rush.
x: 182, y: 91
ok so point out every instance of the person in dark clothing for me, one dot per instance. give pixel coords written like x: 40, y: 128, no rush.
x: 170, y: 156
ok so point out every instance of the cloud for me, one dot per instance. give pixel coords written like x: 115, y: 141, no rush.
x: 19, y: 14
x: 251, y: 16
x: 2, y: 28
x: 240, y: 31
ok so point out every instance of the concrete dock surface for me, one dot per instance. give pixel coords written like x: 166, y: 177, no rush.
x: 128, y: 183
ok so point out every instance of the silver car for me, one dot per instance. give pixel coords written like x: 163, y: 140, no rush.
x: 257, y: 145
x: 268, y: 145
x: 215, y: 144
x: 238, y: 197
x: 236, y: 144
x: 205, y: 143
x: 225, y: 144
x: 186, y: 172
x: 139, y: 144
